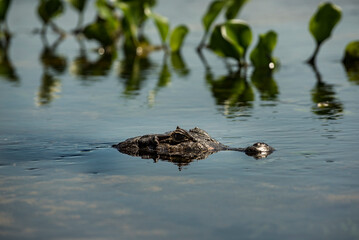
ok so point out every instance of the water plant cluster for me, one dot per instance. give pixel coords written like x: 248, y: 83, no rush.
x: 125, y: 20
x: 115, y: 20
x: 119, y: 24
x: 232, y: 38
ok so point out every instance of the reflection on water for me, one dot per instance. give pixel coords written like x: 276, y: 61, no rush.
x: 232, y: 92
x: 134, y: 69
x: 178, y: 64
x: 7, y: 70
x: 263, y: 80
x: 164, y: 79
x: 84, y: 67
x: 57, y: 182
x: 132, y: 72
x: 53, y: 66
x: 48, y: 90
x: 352, y: 70
x: 327, y: 105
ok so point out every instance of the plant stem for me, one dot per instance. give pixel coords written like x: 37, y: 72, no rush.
x: 311, y: 60
x: 201, y: 44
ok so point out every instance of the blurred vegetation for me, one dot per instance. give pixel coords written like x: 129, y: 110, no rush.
x: 48, y: 10
x: 79, y: 6
x: 54, y: 65
x: 326, y: 103
x: 7, y: 69
x: 232, y: 92
x: 261, y: 55
x: 120, y: 25
x: 322, y: 24
x: 231, y: 8
x: 351, y: 61
x: 4, y: 7
x: 266, y: 84
x: 232, y: 38
x: 351, y: 53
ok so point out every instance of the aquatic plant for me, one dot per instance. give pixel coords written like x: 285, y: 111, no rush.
x: 161, y: 24
x: 4, y: 7
x: 177, y: 35
x: 231, y: 39
x: 351, y: 53
x: 261, y: 55
x: 232, y: 9
x: 321, y: 25
x: 105, y: 29
x: 116, y: 19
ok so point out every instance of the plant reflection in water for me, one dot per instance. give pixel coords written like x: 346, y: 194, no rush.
x: 7, y: 69
x: 233, y: 93
x: 352, y: 70
x: 326, y: 104
x: 53, y: 66
x: 263, y: 80
x: 84, y: 67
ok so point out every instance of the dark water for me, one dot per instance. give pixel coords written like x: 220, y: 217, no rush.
x: 62, y: 108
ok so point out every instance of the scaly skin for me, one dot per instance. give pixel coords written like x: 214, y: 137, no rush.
x: 183, y: 146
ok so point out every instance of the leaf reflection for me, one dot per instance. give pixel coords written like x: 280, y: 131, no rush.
x: 232, y: 92
x: 164, y: 79
x: 352, y: 70
x: 85, y: 67
x: 52, y: 60
x: 132, y: 71
x: 324, y: 97
x: 48, y: 90
x: 53, y: 65
x: 178, y: 64
x: 7, y: 69
x: 263, y: 80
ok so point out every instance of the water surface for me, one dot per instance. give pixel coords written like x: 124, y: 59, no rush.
x: 60, y: 178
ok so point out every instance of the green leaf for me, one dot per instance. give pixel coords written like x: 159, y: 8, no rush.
x: 4, y: 6
x: 261, y: 55
x: 239, y: 34
x: 351, y: 53
x: 103, y: 31
x: 137, y: 9
x: 323, y: 21
x: 221, y: 46
x: 104, y: 10
x: 161, y: 24
x: 79, y: 5
x: 233, y: 7
x: 130, y: 28
x: 212, y: 12
x: 177, y: 36
x: 49, y: 9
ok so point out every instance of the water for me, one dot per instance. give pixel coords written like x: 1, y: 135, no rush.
x: 60, y: 179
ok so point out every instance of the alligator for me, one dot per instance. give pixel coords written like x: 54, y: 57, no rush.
x: 182, y: 147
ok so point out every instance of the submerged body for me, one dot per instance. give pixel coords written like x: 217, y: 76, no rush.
x: 179, y: 145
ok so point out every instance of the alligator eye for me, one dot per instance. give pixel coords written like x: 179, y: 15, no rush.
x: 179, y: 137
